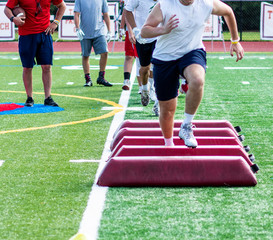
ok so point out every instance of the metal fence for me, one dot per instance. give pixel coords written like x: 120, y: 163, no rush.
x: 247, y: 13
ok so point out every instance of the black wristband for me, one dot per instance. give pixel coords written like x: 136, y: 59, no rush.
x: 11, y: 19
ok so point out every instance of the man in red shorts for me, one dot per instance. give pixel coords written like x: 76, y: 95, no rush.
x: 35, y: 41
x: 130, y: 52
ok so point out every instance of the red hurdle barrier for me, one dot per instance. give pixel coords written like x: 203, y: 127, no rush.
x: 216, y: 150
x: 198, y: 132
x: 139, y: 157
x: 177, y: 123
x: 177, y: 171
x: 159, y: 141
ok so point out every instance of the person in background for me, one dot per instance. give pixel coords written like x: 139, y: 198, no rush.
x: 35, y: 41
x: 145, y: 47
x: 179, y: 26
x: 130, y: 52
x: 89, y: 18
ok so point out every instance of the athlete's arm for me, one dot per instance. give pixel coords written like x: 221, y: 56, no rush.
x: 151, y: 29
x: 222, y: 9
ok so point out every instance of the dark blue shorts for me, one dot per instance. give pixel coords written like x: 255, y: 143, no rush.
x: 36, y: 46
x: 145, y: 52
x: 166, y: 73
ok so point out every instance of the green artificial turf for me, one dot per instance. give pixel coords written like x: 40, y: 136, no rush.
x: 43, y: 195
x: 209, y: 212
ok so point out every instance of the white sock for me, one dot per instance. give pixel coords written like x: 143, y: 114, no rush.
x: 169, y: 141
x: 151, y: 81
x: 145, y: 87
x: 188, y: 118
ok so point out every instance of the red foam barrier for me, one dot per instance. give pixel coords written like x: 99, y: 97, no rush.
x: 177, y: 171
x: 177, y: 123
x: 216, y: 150
x: 159, y: 141
x: 198, y: 132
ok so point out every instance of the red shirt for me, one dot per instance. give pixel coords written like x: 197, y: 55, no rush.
x: 34, y: 24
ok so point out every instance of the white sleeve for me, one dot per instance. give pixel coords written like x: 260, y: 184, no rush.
x: 131, y: 5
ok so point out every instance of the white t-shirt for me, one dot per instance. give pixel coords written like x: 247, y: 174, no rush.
x: 141, y: 10
x: 188, y: 35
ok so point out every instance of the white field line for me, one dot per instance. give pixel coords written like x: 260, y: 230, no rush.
x: 247, y: 68
x: 84, y: 161
x: 128, y: 108
x: 92, y: 215
x: 1, y: 162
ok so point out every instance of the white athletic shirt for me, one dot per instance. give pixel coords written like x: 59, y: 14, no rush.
x: 141, y: 10
x: 188, y: 35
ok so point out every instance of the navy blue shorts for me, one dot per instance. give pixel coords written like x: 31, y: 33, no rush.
x: 145, y: 52
x: 166, y: 73
x: 36, y: 46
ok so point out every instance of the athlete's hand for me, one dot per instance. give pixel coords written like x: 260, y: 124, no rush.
x: 79, y: 33
x: 238, y: 49
x: 108, y: 36
x: 19, y: 21
x: 138, y: 37
x: 51, y: 28
x: 121, y: 33
x: 171, y: 24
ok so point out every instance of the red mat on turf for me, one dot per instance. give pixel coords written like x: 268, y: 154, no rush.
x: 9, y: 106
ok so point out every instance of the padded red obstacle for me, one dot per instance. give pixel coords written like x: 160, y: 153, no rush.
x: 198, y: 132
x: 177, y: 124
x: 159, y: 141
x: 177, y: 171
x: 139, y: 157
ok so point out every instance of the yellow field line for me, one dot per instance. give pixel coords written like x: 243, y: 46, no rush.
x: 118, y: 108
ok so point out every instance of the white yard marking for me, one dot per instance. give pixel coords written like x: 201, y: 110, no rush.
x: 129, y: 108
x: 12, y: 83
x: 1, y: 162
x: 69, y: 83
x: 245, y: 83
x: 92, y: 215
x: 246, y: 68
x: 92, y: 67
x: 84, y: 161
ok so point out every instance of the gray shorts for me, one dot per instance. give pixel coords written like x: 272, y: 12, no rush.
x: 99, y: 45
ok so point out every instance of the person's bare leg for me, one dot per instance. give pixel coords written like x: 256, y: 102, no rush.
x: 47, y: 79
x: 27, y: 79
x: 195, y: 75
x: 128, y: 63
x: 103, y: 61
x: 144, y: 74
x: 85, y: 65
x: 166, y: 117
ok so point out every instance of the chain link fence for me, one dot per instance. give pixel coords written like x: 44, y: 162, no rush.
x: 248, y: 14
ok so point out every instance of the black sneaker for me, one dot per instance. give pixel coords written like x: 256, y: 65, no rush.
x: 50, y: 102
x: 102, y: 81
x: 88, y: 83
x: 29, y: 102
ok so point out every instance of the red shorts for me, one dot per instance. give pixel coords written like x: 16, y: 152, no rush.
x: 130, y: 48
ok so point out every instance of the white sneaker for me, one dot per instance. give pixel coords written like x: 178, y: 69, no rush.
x: 145, y: 99
x: 156, y: 108
x: 186, y: 134
x: 126, y: 85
